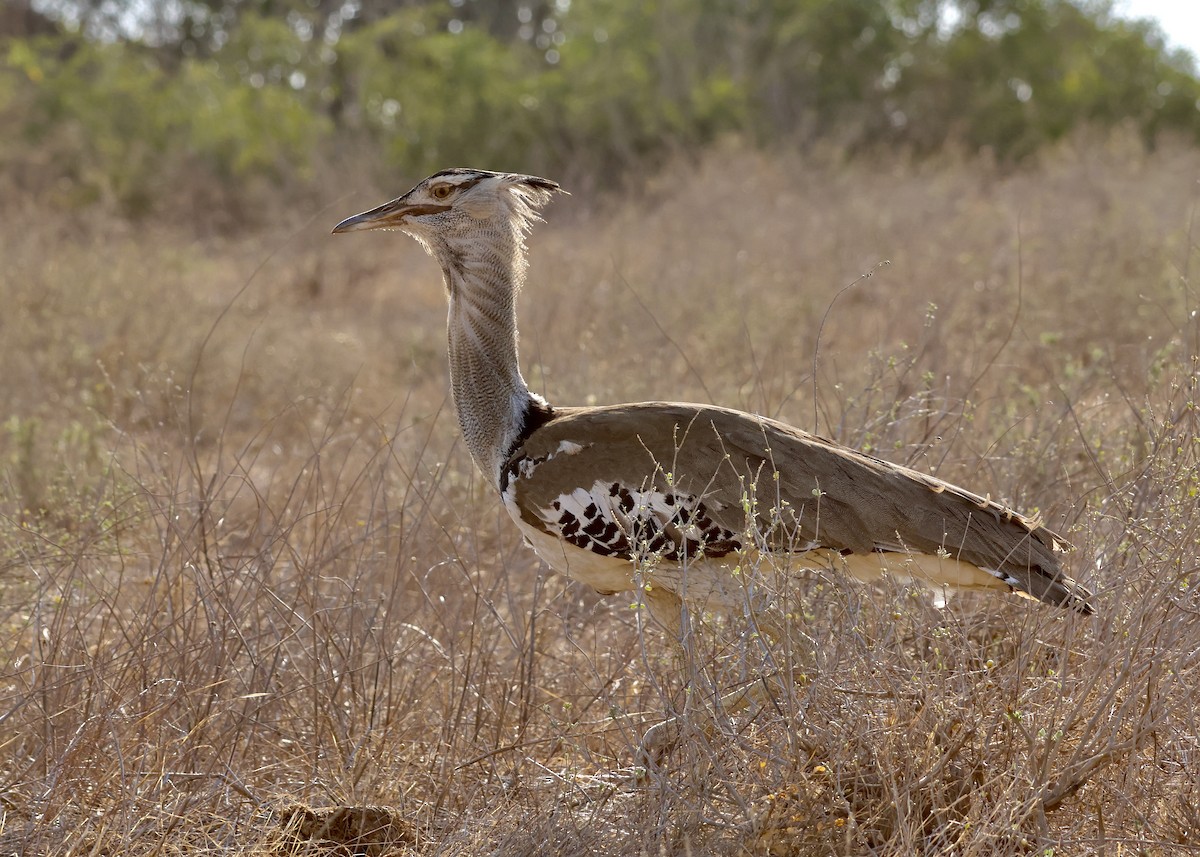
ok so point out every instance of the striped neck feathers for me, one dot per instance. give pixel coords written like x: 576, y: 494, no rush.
x: 484, y: 270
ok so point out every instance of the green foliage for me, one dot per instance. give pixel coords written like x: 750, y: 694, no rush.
x: 256, y: 89
x: 247, y: 109
x: 1014, y: 75
x: 436, y: 98
x: 54, y: 474
x: 114, y: 119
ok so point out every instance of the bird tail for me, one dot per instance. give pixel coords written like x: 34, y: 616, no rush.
x: 1055, y: 588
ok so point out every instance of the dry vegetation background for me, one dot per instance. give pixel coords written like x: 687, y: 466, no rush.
x: 247, y: 574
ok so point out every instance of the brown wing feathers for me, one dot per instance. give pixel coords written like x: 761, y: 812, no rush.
x: 900, y: 509
x: 807, y: 492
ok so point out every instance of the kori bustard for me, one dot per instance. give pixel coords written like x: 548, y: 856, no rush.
x: 678, y: 500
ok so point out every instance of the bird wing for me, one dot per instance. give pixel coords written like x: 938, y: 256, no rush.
x: 681, y: 480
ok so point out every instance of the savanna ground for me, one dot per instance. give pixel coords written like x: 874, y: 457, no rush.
x: 247, y: 573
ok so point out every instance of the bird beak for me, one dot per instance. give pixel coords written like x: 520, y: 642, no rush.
x: 390, y: 215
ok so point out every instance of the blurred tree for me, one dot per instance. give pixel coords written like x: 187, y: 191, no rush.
x: 256, y: 87
x: 438, y: 97
x: 1014, y: 75
x: 18, y: 19
x: 113, y: 120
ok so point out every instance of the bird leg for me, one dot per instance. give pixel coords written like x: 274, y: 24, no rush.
x: 660, y: 738
x: 670, y: 611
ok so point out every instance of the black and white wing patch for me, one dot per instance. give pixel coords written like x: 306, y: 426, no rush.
x: 611, y: 519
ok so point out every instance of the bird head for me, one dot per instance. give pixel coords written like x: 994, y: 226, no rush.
x: 459, y: 204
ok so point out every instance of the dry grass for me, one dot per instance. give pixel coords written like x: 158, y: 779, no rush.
x: 247, y: 576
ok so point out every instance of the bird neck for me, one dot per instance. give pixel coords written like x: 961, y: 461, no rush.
x: 491, y: 397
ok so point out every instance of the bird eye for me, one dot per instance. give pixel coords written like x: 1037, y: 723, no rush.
x: 441, y: 191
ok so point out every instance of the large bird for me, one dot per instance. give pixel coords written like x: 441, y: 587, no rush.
x: 683, y: 501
